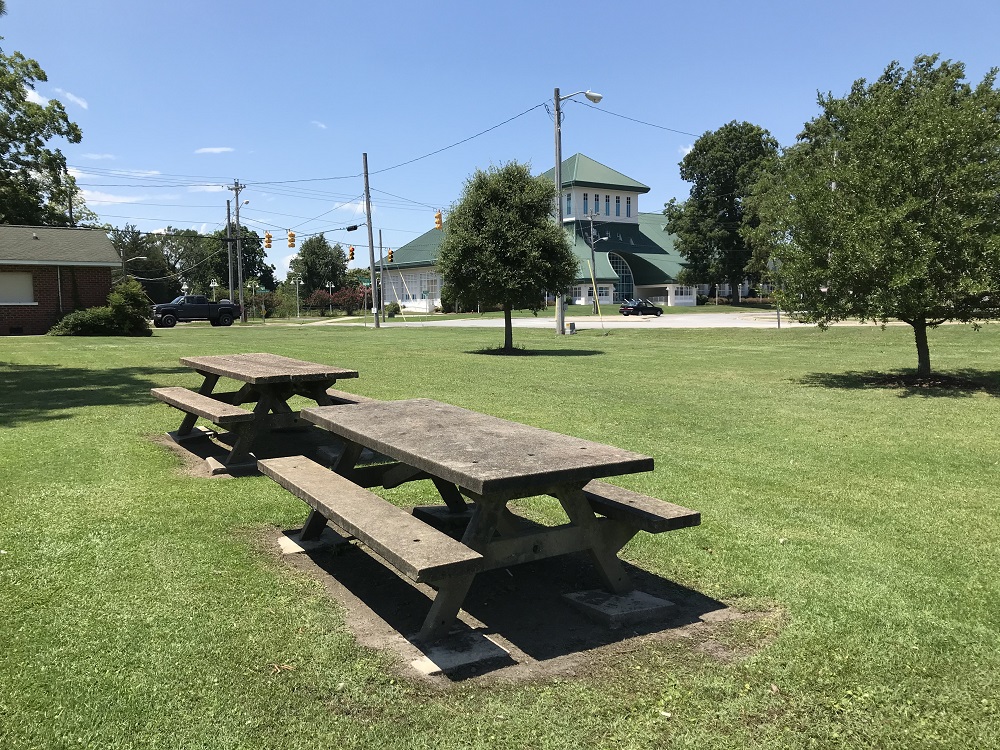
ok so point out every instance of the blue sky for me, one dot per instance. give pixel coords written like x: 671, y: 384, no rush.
x: 177, y: 99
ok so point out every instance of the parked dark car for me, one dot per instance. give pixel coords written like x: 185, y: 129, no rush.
x: 194, y: 307
x: 640, y: 307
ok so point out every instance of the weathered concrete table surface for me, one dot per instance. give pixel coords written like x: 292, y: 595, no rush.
x: 270, y: 380
x: 491, y: 461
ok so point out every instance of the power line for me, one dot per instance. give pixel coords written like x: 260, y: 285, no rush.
x: 641, y: 122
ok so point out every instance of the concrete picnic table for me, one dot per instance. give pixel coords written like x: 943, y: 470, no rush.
x: 269, y: 381
x: 489, y: 460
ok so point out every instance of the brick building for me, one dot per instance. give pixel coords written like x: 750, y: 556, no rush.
x: 46, y: 272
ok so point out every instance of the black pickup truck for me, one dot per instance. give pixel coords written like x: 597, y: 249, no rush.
x: 194, y: 307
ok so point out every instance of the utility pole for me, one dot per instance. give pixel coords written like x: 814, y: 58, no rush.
x: 236, y: 188
x: 371, y: 236
x: 229, y: 246
x: 560, y: 313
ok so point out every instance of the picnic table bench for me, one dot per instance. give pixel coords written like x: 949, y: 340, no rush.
x: 490, y: 461
x: 269, y: 381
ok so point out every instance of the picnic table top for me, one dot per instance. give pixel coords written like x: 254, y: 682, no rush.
x: 478, y: 452
x: 263, y: 368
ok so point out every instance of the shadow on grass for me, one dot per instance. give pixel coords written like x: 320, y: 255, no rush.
x: 522, y: 604
x: 955, y: 384
x: 519, y: 352
x: 36, y: 393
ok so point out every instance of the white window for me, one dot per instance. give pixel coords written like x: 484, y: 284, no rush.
x: 585, y: 211
x: 618, y: 205
x: 16, y: 289
x: 628, y: 206
x: 569, y: 204
x: 607, y: 205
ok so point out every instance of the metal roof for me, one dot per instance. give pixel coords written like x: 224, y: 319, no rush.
x: 51, y: 246
x: 583, y: 171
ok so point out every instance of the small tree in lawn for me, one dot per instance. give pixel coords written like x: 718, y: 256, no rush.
x: 501, y: 246
x: 887, y: 207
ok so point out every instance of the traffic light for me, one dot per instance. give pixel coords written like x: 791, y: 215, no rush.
x: 390, y: 255
x: 350, y: 253
x: 291, y: 238
x: 437, y: 220
x: 267, y: 239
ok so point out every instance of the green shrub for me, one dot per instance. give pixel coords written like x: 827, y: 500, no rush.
x: 393, y: 309
x: 126, y: 314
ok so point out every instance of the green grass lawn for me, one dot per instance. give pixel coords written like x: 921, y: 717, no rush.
x: 139, y: 610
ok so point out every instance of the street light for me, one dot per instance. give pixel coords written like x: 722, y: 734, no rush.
x: 595, y: 98
x: 329, y: 290
x: 297, y: 280
x: 184, y: 288
x: 214, y: 285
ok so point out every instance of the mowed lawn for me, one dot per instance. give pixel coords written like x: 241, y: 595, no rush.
x: 139, y: 609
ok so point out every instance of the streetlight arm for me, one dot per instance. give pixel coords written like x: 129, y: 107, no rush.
x: 592, y: 95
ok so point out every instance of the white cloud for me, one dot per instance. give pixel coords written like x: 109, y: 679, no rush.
x: 318, y: 124
x: 214, y: 150
x: 685, y: 150
x: 99, y: 157
x: 78, y: 101
x: 34, y: 96
x: 207, y: 189
x: 93, y: 196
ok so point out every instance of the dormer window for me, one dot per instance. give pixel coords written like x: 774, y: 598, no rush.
x: 628, y: 206
x: 569, y: 204
x: 585, y: 211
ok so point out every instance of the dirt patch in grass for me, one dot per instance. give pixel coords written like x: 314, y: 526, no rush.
x: 522, y: 610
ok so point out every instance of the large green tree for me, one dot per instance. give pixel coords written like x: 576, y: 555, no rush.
x: 501, y: 246
x: 35, y: 188
x: 888, y: 206
x: 319, y: 262
x: 722, y: 166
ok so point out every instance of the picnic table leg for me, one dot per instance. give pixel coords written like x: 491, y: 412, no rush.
x: 450, y: 494
x: 313, y: 527
x: 187, y: 424
x: 247, y: 432
x: 451, y: 593
x: 603, y: 553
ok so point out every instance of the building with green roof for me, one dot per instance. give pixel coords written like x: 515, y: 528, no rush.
x: 628, y: 253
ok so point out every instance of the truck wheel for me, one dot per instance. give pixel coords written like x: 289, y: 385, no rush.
x: 157, y: 324
x: 169, y: 321
x: 225, y: 319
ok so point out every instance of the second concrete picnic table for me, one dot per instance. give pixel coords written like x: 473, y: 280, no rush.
x: 269, y: 381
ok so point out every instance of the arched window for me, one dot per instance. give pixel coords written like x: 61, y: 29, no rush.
x: 625, y: 288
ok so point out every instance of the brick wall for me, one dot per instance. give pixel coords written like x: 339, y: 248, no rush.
x: 81, y: 287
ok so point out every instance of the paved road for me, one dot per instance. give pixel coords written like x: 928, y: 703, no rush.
x: 755, y: 319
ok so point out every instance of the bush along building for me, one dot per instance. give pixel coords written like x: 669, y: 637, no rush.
x: 630, y: 252
x: 46, y: 272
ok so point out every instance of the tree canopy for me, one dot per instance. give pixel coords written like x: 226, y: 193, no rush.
x: 888, y: 206
x: 501, y: 247
x: 722, y: 166
x: 35, y: 188
x: 318, y: 263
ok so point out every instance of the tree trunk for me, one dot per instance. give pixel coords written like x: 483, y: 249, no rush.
x: 508, y: 329
x: 923, y: 350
